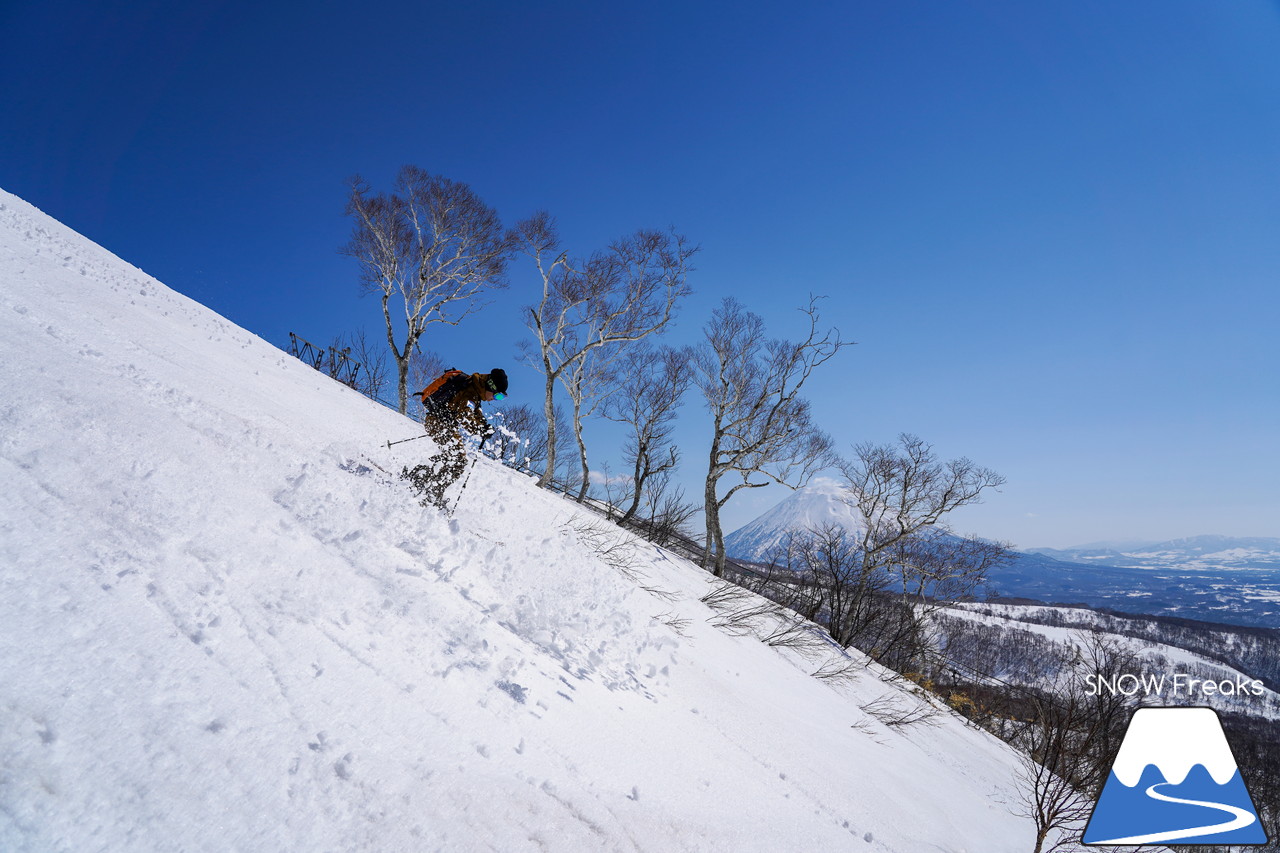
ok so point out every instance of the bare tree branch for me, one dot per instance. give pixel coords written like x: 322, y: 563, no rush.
x: 615, y: 297
x: 656, y: 381
x: 762, y: 430
x: 432, y: 247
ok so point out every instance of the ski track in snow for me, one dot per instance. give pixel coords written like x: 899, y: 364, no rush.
x: 224, y: 626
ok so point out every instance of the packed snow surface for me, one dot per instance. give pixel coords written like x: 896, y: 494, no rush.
x: 227, y: 624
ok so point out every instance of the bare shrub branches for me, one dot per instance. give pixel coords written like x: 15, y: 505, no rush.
x: 742, y: 613
x: 899, y: 712
x: 677, y: 623
x: 839, y: 669
x: 725, y: 594
x: 613, y: 547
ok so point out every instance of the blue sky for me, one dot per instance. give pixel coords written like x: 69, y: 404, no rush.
x: 1052, y: 228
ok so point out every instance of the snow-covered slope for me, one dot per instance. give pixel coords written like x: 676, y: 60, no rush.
x: 225, y: 626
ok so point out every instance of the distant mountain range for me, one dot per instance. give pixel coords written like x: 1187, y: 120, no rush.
x: 1194, y: 552
x: 1211, y: 578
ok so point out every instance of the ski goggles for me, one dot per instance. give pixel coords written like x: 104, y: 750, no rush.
x: 493, y: 389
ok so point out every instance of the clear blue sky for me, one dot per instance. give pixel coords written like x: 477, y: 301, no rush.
x: 1053, y: 227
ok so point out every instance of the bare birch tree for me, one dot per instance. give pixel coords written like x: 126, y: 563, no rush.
x: 615, y: 297
x: 900, y: 495
x: 762, y: 430
x: 656, y: 381
x: 1071, y: 742
x: 587, y: 382
x: 428, y: 250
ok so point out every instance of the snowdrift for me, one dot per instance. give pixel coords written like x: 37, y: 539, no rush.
x: 225, y: 624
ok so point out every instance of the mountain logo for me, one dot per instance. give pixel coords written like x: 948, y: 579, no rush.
x: 1175, y: 779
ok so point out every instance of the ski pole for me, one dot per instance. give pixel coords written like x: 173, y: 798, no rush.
x: 403, y: 440
x: 463, y: 488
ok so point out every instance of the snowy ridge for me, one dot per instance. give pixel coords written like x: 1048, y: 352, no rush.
x: 225, y: 624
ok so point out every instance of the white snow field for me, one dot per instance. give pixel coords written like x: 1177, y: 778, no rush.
x: 224, y: 627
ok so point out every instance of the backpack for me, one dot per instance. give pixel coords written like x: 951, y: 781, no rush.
x: 445, y: 388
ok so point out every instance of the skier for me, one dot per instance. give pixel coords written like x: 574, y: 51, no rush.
x: 452, y: 406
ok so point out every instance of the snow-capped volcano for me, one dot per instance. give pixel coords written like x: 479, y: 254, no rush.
x: 820, y: 503
x: 226, y: 624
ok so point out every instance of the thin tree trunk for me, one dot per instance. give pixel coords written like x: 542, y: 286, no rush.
x: 715, y: 538
x: 582, y: 453
x: 722, y: 558
x: 402, y: 381
x: 550, y: 411
x: 402, y: 360
x: 637, y: 482
x: 711, y: 503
